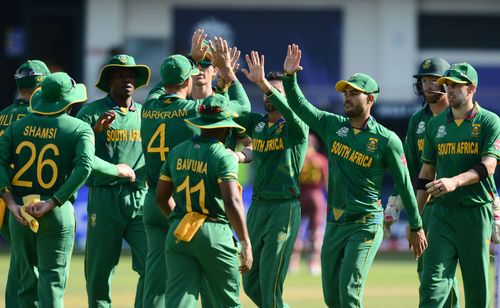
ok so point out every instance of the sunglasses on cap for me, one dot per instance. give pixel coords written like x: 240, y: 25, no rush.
x: 457, y: 74
x: 25, y: 72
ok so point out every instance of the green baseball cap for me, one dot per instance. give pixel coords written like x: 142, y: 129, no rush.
x: 31, y: 74
x: 176, y: 69
x: 207, y: 59
x: 361, y: 82
x: 123, y: 61
x: 57, y: 92
x: 215, y: 112
x: 434, y: 66
x: 460, y: 73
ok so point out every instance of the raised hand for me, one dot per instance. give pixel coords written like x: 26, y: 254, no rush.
x: 104, y: 121
x: 222, y: 59
x: 292, y: 61
x: 235, y: 56
x: 198, y: 50
x: 255, y: 63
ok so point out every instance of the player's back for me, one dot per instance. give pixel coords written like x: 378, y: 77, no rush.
x: 196, y: 166
x: 162, y: 128
x: 43, y: 149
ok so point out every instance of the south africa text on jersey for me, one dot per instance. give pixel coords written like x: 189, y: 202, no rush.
x: 274, y: 144
x: 346, y: 152
x: 114, y: 135
x: 156, y: 114
x: 453, y: 148
x: 40, y: 132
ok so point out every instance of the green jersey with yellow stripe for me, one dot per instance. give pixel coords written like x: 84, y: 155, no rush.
x: 163, y: 125
x: 357, y: 161
x: 121, y: 143
x: 196, y: 167
x: 52, y: 156
x: 455, y: 146
x: 414, y: 142
x: 12, y: 113
x: 279, y: 150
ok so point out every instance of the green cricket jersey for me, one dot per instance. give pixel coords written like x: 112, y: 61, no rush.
x: 248, y: 121
x: 52, y: 156
x: 120, y: 143
x: 163, y: 125
x: 12, y: 113
x: 357, y: 160
x: 195, y: 167
x: 455, y: 146
x: 414, y: 142
x: 279, y: 150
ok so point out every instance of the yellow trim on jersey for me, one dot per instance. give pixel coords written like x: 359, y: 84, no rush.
x: 165, y: 178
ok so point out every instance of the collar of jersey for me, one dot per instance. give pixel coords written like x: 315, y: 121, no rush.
x: 469, y: 116
x: 266, y: 119
x: 368, y: 125
x: 427, y: 110
x: 114, y: 106
x: 22, y: 101
x: 169, y: 97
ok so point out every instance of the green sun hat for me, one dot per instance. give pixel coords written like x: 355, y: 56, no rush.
x: 57, y: 92
x: 215, y: 112
x: 434, y: 66
x: 462, y: 73
x: 123, y: 61
x: 176, y: 69
x: 360, y: 82
x: 31, y: 74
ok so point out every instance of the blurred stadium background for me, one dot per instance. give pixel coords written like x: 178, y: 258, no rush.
x: 384, y: 38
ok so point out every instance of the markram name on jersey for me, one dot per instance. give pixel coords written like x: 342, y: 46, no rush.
x: 156, y: 114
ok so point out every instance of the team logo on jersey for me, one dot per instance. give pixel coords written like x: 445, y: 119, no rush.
x: 426, y: 64
x: 260, y: 127
x: 421, y: 127
x: 372, y: 144
x: 93, y: 218
x: 441, y: 132
x: 123, y: 59
x: 342, y: 132
x: 476, y: 128
x: 279, y: 129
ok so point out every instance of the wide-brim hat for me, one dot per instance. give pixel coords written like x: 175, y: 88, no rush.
x: 142, y: 72
x: 215, y: 112
x: 57, y: 93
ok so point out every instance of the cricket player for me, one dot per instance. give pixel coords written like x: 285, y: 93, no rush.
x: 435, y: 101
x: 162, y: 128
x: 461, y: 150
x: 28, y: 77
x: 52, y: 154
x: 202, y: 176
x: 279, y: 142
x: 115, y: 205
x: 360, y: 150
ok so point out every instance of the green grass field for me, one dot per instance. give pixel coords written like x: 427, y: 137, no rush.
x: 392, y: 282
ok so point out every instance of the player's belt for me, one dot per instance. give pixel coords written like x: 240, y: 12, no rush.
x: 361, y: 218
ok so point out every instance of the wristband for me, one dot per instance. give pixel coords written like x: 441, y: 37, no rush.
x: 481, y: 170
x: 421, y: 183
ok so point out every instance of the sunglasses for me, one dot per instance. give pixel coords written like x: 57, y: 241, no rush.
x: 22, y: 73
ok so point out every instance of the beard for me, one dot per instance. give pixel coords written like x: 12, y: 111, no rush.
x: 268, y: 106
x: 353, y: 111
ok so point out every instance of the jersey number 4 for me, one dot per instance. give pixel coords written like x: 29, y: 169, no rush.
x: 40, y: 164
x: 161, y: 148
x: 189, y: 190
